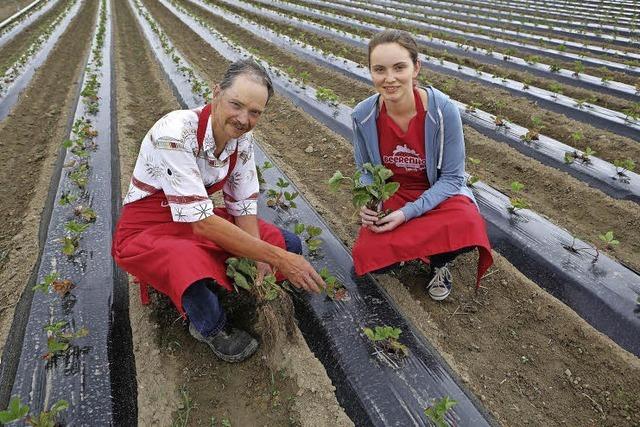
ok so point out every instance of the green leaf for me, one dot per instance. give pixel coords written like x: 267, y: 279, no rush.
x: 67, y: 143
x: 59, y: 406
x: 389, y: 189
x: 241, y: 281
x: 336, y: 180
x: 314, y: 231
x: 14, y: 412
x: 298, y: 228
x: 369, y: 333
x: 359, y: 200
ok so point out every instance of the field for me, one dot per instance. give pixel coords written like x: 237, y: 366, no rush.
x: 549, y: 94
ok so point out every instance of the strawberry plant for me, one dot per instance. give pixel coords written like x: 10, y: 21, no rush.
x: 16, y: 411
x: 46, y: 282
x: 244, y: 273
x: 516, y: 202
x: 70, y: 245
x: 437, y: 412
x: 609, y: 240
x: 386, y: 338
x: 66, y: 198
x: 499, y: 122
x: 578, y: 68
x: 58, y: 340
x: 326, y: 95
x: 371, y: 195
x: 260, y: 170
x: 632, y: 113
x: 85, y: 213
x: 335, y: 289
x: 471, y: 108
x: 534, y: 132
x: 556, y: 89
x: 554, y: 68
x: 75, y: 227
x: 622, y: 166
x: 311, y: 239
x: 280, y: 198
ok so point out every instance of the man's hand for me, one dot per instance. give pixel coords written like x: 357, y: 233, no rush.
x: 388, y: 222
x: 368, y: 217
x: 264, y: 269
x: 300, y: 273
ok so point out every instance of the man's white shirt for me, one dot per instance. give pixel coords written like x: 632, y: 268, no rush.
x: 169, y: 160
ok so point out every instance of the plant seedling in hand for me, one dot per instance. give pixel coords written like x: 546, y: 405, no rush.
x: 517, y: 202
x: 439, y: 409
x: 335, y: 289
x: 244, y: 273
x: 386, y: 337
x: 371, y: 195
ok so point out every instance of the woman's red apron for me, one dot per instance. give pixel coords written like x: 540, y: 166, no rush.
x: 452, y: 225
x: 165, y: 254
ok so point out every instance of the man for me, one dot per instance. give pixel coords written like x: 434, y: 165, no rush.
x: 170, y: 236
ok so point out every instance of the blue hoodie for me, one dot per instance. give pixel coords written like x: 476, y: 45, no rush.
x: 444, y: 147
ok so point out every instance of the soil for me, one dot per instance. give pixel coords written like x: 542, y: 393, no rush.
x: 595, y: 71
x: 11, y: 51
x: 585, y: 212
x: 516, y: 318
x: 179, y: 379
x: 9, y: 7
x: 608, y: 145
x: 29, y: 150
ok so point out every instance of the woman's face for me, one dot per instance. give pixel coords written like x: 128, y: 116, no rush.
x: 392, y: 71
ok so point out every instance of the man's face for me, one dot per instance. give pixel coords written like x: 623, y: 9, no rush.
x: 238, y: 108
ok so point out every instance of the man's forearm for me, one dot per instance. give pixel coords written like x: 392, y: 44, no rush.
x: 237, y: 241
x: 248, y: 223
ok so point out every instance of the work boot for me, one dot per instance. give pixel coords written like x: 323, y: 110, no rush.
x: 230, y: 344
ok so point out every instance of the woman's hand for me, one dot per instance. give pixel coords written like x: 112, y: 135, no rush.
x: 388, y: 222
x: 368, y: 217
x: 299, y: 272
x: 264, y: 270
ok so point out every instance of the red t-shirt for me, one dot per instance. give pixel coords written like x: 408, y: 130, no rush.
x: 404, y: 152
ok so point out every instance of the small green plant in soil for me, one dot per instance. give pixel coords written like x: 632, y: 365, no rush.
x: 244, y: 274
x: 80, y: 176
x: 70, y: 245
x: 260, y: 170
x: 386, y: 338
x: 437, y: 412
x: 311, y: 238
x: 371, y: 195
x: 517, y: 203
x: 335, y: 289
x: 534, y: 132
x: 609, y: 240
x: 66, y: 199
x: 46, y: 282
x: 85, y: 213
x: 578, y: 68
x: 622, y: 167
x: 327, y: 95
x: 75, y: 227
x: 556, y: 89
x: 280, y: 198
x: 16, y: 411
x: 58, y: 340
x: 632, y: 113
x: 471, y: 108
x: 584, y: 157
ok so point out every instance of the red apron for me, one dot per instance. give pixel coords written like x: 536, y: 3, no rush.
x: 167, y: 255
x: 454, y: 224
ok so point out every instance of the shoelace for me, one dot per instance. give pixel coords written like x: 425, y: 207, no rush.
x: 442, y: 274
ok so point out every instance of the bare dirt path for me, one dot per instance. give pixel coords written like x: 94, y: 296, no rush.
x: 179, y: 378
x: 9, y: 7
x: 30, y: 139
x: 515, y: 330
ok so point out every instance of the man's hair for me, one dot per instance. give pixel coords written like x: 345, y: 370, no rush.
x: 250, y: 68
x: 400, y: 37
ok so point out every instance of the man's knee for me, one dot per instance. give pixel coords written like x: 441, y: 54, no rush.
x: 292, y: 241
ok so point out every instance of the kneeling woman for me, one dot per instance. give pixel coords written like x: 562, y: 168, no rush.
x: 416, y: 133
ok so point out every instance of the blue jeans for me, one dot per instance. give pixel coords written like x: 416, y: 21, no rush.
x: 201, y: 303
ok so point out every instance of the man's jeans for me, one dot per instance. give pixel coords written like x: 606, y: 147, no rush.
x: 201, y: 303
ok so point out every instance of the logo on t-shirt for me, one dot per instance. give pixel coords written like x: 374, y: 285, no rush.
x: 406, y: 158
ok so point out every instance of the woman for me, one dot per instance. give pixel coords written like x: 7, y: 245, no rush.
x: 416, y: 133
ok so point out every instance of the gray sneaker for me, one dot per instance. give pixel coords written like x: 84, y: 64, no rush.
x: 230, y: 344
x: 440, y: 285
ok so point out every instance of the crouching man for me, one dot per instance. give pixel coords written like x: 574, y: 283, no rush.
x: 170, y: 236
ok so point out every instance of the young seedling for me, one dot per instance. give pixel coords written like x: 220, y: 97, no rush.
x: 326, y: 95
x: 556, y: 89
x: 386, y: 338
x: 609, y: 240
x: 578, y: 68
x: 499, y: 122
x: 85, y: 213
x: 335, y: 289
x: 471, y: 108
x: 554, y: 68
x: 16, y: 411
x: 311, y: 239
x: 260, y: 170
x: 516, y: 202
x: 46, y: 282
x: 633, y: 112
x: 244, y: 273
x: 371, y: 195
x: 437, y: 412
x: 281, y: 199
x: 59, y: 341
x: 48, y: 418
x: 75, y: 228
x: 66, y: 198
x: 70, y: 245
x: 622, y: 167
x: 534, y: 132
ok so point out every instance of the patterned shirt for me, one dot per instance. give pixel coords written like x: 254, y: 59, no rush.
x: 169, y: 161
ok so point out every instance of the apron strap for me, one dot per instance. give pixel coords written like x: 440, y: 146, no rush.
x: 203, y: 120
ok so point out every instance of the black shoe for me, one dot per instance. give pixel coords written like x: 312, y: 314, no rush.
x: 230, y: 344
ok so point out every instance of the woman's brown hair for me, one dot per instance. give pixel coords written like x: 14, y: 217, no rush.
x: 403, y: 38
